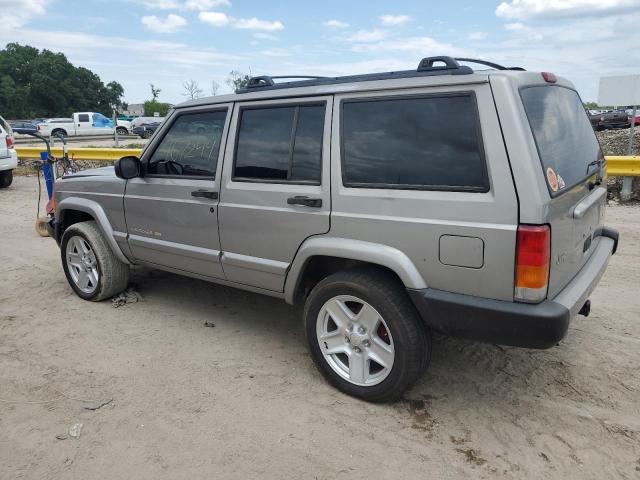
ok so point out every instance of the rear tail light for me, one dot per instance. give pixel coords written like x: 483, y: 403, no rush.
x: 9, y: 142
x: 533, y: 252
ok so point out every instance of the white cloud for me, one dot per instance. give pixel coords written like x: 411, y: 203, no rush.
x: 523, y: 9
x: 160, y: 4
x: 427, y: 46
x: 335, y: 24
x: 218, y: 19
x: 172, y: 23
x: 15, y: 13
x: 394, y: 20
x: 264, y: 36
x: 255, y: 24
x: 202, y: 5
x: 477, y: 35
x: 514, y: 26
x: 368, y: 35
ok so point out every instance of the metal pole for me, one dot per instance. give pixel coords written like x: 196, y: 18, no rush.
x: 627, y: 182
x: 115, y: 129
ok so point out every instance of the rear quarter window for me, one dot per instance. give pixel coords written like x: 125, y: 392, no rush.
x: 419, y: 143
x: 567, y: 146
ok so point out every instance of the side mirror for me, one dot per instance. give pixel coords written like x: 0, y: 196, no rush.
x: 127, y: 167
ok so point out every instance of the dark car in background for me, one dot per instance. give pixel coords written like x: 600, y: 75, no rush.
x: 23, y: 127
x: 146, y: 129
x: 607, y: 120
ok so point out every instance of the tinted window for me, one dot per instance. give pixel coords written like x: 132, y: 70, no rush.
x: 567, y: 146
x: 83, y: 117
x: 190, y: 147
x: 429, y: 142
x: 280, y: 143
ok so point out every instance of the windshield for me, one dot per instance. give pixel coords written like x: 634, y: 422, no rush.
x: 567, y: 146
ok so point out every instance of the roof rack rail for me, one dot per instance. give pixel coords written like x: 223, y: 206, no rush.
x: 428, y: 66
x: 488, y: 64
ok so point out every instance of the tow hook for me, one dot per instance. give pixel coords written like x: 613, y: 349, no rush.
x: 586, y: 309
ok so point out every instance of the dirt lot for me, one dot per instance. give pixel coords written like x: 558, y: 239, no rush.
x: 243, y: 399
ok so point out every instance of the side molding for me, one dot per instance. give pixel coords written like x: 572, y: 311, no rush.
x: 374, y: 253
x: 95, y: 210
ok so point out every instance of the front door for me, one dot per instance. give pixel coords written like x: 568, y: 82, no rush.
x: 275, y: 190
x: 172, y: 209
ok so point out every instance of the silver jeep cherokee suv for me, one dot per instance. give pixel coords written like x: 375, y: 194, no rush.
x: 387, y: 205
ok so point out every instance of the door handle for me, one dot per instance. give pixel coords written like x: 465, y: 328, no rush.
x: 205, y: 194
x: 305, y: 201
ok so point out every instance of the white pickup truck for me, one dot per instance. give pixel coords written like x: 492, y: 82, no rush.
x: 83, y: 123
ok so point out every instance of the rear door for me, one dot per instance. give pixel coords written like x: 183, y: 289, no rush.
x: 275, y: 187
x: 4, y: 132
x: 83, y: 124
x: 172, y: 210
x: 572, y: 165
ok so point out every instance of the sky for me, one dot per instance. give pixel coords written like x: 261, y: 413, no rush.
x: 170, y: 42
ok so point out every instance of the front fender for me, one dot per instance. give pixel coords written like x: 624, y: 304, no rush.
x: 374, y: 253
x: 94, y: 209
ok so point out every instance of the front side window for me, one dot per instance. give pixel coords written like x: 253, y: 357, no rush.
x: 281, y: 144
x: 190, y: 147
x: 431, y: 143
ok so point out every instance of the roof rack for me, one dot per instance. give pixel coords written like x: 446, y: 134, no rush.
x: 488, y: 64
x: 428, y: 66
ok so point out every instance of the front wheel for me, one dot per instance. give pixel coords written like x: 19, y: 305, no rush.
x: 6, y: 178
x: 122, y: 131
x: 365, y: 335
x: 91, y: 267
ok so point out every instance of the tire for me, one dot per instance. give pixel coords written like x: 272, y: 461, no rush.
x: 6, y: 178
x: 60, y: 131
x: 147, y: 134
x: 122, y: 131
x: 383, y: 299
x: 107, y: 274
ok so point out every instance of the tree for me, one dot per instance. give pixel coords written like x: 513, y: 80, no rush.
x: 237, y: 80
x: 43, y: 83
x: 192, y: 90
x: 153, y: 106
x: 214, y: 88
x: 155, y: 92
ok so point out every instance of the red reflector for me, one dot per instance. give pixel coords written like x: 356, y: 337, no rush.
x: 532, y: 256
x: 549, y: 77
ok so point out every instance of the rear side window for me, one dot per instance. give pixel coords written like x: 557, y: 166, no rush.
x: 430, y: 143
x: 190, y: 147
x: 280, y: 144
x: 83, y: 117
x: 567, y: 146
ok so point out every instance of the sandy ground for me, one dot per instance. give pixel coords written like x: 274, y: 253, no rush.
x: 243, y: 399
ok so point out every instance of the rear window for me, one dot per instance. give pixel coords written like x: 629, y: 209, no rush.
x: 425, y: 143
x: 567, y: 146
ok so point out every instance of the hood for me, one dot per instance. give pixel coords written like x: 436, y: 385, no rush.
x: 94, y: 172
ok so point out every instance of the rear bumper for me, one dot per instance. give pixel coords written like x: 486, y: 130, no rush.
x: 10, y: 162
x: 539, y: 325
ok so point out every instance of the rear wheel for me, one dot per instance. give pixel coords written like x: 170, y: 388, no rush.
x: 91, y: 267
x: 6, y: 178
x: 365, y: 335
x: 59, y: 132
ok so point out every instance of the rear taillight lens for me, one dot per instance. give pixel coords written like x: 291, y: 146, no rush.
x: 9, y: 142
x: 533, y: 252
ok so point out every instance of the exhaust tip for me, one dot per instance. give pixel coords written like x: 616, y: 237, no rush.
x: 586, y: 309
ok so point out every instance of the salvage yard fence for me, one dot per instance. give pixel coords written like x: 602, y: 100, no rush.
x: 617, y: 166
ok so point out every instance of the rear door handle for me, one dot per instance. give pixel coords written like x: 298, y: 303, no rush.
x: 205, y: 194
x: 305, y: 201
